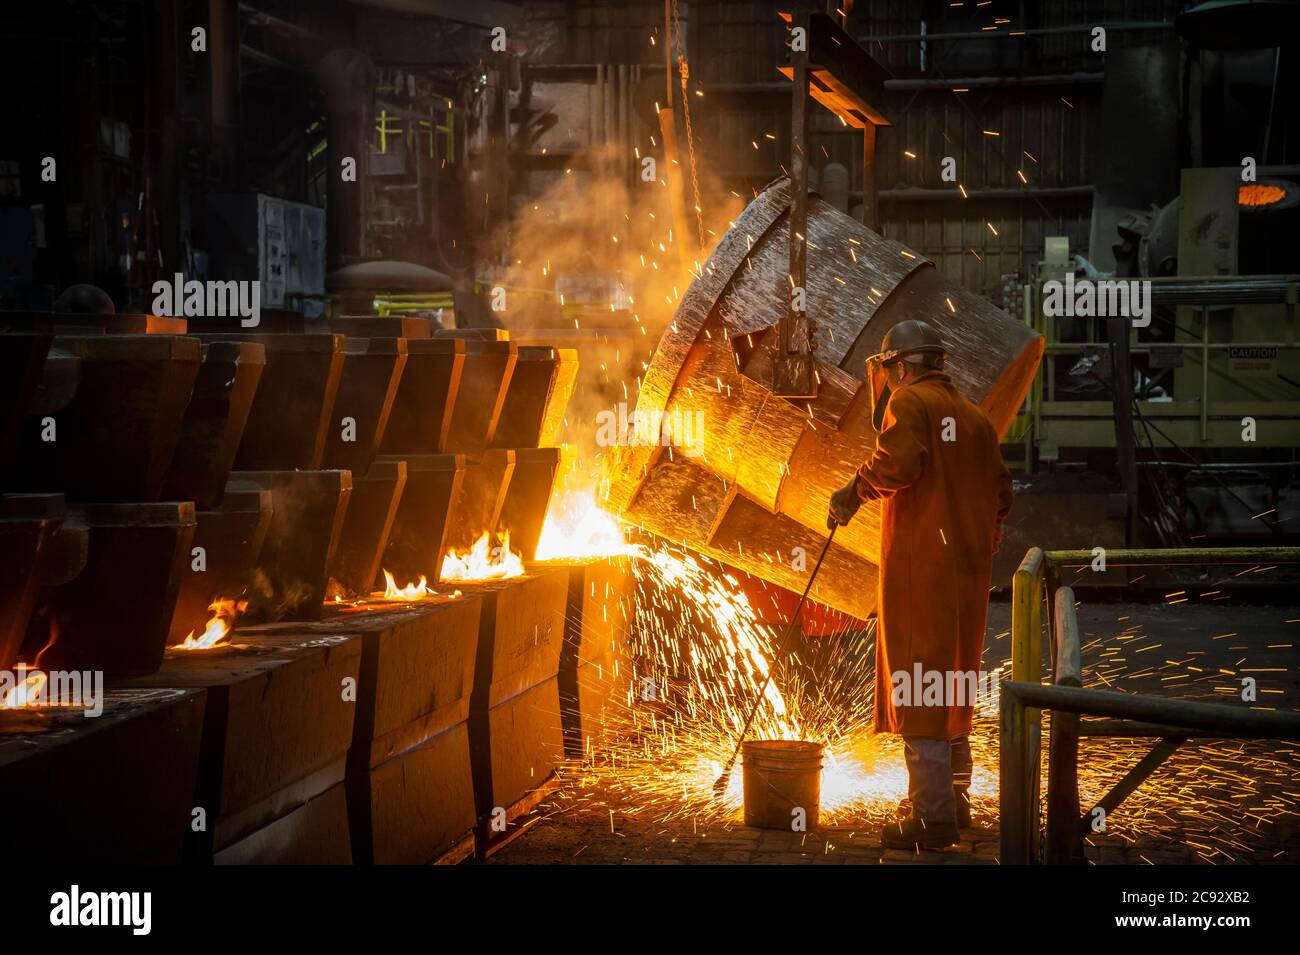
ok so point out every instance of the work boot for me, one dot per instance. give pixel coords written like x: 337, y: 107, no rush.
x: 918, y: 834
x: 960, y: 796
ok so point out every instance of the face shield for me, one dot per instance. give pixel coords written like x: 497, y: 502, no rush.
x: 878, y: 384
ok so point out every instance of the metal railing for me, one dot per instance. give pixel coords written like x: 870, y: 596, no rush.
x: 1125, y: 715
x: 410, y: 303
x: 1085, y: 422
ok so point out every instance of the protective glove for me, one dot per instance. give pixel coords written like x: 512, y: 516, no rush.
x: 844, y: 504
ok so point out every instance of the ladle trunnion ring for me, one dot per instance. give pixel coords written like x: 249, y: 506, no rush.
x: 752, y: 489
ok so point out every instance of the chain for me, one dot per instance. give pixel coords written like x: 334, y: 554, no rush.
x: 684, y: 69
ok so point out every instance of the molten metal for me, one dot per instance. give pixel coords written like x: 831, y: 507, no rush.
x: 1259, y: 194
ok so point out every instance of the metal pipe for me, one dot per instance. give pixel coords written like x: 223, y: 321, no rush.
x: 1014, y: 805
x: 1025, y: 612
x: 1069, y: 348
x: 223, y: 71
x: 1182, y: 714
x: 598, y: 109
x: 1220, y: 465
x: 1069, y: 669
x: 1179, y: 556
x: 793, y: 371
x: 977, y: 82
x: 1121, y: 389
x: 1027, y: 664
x: 1131, y: 729
x: 1203, y: 290
x: 919, y: 194
x: 1134, y: 778
x: 1063, y: 838
x: 1272, y: 104
x: 607, y: 93
x: 348, y: 80
x: 622, y: 119
x: 1000, y: 34
x: 1205, y: 374
x: 907, y: 85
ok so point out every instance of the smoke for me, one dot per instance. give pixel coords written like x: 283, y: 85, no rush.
x: 595, y: 260
x: 272, y: 598
x: 305, y: 513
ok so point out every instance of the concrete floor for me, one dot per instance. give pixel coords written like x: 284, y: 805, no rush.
x: 1216, y: 802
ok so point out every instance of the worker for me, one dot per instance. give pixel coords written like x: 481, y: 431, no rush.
x: 944, y: 492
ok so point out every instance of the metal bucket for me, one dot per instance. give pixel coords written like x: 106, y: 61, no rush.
x: 783, y: 783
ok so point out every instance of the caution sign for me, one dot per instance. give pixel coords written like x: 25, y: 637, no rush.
x: 1253, y: 361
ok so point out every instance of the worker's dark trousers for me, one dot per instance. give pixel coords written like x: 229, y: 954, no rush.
x: 934, y: 767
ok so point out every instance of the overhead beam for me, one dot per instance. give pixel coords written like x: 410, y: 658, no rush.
x: 484, y: 13
x: 908, y: 84
x: 1014, y: 34
x: 841, y: 75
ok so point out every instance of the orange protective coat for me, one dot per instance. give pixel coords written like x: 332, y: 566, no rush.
x: 942, y: 507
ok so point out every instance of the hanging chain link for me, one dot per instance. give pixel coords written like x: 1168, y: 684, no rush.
x: 684, y: 69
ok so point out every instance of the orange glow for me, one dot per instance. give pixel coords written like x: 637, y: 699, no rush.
x: 1259, y: 194
x: 28, y: 692
x: 483, y: 561
x: 576, y: 527
x: 416, y: 591
x: 224, y: 614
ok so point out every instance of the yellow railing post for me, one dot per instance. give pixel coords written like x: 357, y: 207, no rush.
x: 1014, y: 838
x: 1027, y: 618
x: 1020, y: 812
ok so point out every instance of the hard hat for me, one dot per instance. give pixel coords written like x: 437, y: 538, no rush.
x: 908, y: 338
x: 910, y: 341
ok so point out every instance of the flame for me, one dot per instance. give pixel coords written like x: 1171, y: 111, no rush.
x: 30, y: 690
x: 484, y: 562
x: 577, y: 527
x: 214, y: 634
x: 416, y: 591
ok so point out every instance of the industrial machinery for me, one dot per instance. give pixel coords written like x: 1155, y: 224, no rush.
x: 751, y: 487
x: 1212, y: 376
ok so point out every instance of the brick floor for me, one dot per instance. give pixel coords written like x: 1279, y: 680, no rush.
x: 588, y: 826
x: 585, y: 825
